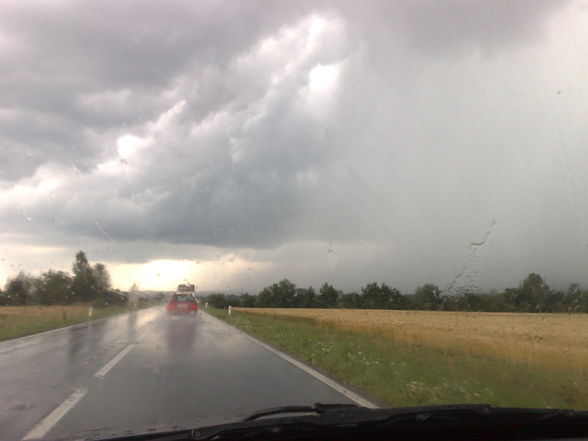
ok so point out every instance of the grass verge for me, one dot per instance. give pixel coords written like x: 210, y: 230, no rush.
x: 18, y: 321
x: 401, y: 374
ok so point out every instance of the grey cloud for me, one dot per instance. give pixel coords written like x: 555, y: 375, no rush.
x: 63, y: 54
x: 66, y: 56
x: 412, y: 150
x: 440, y: 29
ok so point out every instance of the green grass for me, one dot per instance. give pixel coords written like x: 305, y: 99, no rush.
x: 17, y: 321
x: 399, y: 374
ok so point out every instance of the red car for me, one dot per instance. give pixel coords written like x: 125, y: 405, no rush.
x: 182, y: 304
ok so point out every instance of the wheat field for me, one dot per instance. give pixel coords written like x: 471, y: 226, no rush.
x: 16, y: 321
x: 554, y: 341
x: 41, y: 311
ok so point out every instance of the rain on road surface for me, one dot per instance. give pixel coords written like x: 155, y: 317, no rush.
x: 142, y: 371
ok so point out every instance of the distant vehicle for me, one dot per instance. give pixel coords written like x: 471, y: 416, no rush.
x: 186, y: 288
x: 182, y: 304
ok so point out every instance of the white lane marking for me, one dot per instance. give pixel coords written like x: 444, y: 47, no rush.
x: 333, y: 384
x: 118, y: 357
x: 41, y: 429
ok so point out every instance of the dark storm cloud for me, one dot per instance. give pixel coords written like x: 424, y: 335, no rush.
x: 100, y: 66
x: 259, y: 124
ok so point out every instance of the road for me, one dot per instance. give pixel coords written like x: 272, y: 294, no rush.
x: 142, y: 371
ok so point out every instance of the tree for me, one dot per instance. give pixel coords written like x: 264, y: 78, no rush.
x: 493, y: 301
x: 394, y: 299
x: 428, y: 297
x: 247, y: 301
x: 534, y: 292
x: 575, y: 300
x: 376, y: 296
x: 531, y: 296
x: 54, y: 287
x: 84, y: 285
x: 472, y: 301
x: 279, y: 295
x: 350, y: 301
x: 452, y: 303
x: 305, y: 298
x: 329, y: 296
x: 370, y: 296
x: 554, y: 301
x: 102, y: 278
x: 284, y: 293
x: 265, y: 298
x: 3, y: 299
x: 217, y: 301
x: 19, y: 290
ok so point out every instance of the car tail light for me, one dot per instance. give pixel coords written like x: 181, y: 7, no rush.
x: 194, y: 306
x: 171, y: 305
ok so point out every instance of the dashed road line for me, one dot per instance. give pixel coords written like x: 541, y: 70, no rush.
x: 118, y: 357
x: 42, y: 428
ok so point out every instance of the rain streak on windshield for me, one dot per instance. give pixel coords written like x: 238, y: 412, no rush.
x: 388, y: 197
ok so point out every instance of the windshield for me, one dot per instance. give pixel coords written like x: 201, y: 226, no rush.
x: 389, y: 198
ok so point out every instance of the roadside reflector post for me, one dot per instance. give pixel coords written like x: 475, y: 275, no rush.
x: 229, y: 309
x: 90, y: 311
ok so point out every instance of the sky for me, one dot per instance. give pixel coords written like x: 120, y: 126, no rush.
x: 234, y: 144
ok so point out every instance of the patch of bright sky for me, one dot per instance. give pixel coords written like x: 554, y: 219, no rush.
x: 319, y: 96
x: 323, y: 78
x: 41, y: 184
x: 165, y: 275
x: 129, y: 145
x: 156, y: 275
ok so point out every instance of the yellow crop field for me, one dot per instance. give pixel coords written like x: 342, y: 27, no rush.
x: 32, y: 312
x: 16, y: 321
x: 554, y: 341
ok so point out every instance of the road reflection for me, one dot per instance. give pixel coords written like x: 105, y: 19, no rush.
x: 83, y: 341
x: 132, y: 326
x: 75, y: 342
x: 180, y: 334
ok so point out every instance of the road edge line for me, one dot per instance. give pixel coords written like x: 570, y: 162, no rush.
x: 353, y: 396
x: 46, y: 424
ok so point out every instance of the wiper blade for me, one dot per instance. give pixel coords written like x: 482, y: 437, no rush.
x: 317, y: 409
x: 322, y: 419
x: 468, y: 421
x: 483, y: 413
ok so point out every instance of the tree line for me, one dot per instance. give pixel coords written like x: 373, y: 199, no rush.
x: 532, y: 295
x: 87, y: 283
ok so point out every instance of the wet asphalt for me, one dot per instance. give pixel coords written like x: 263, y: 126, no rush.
x: 172, y: 374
